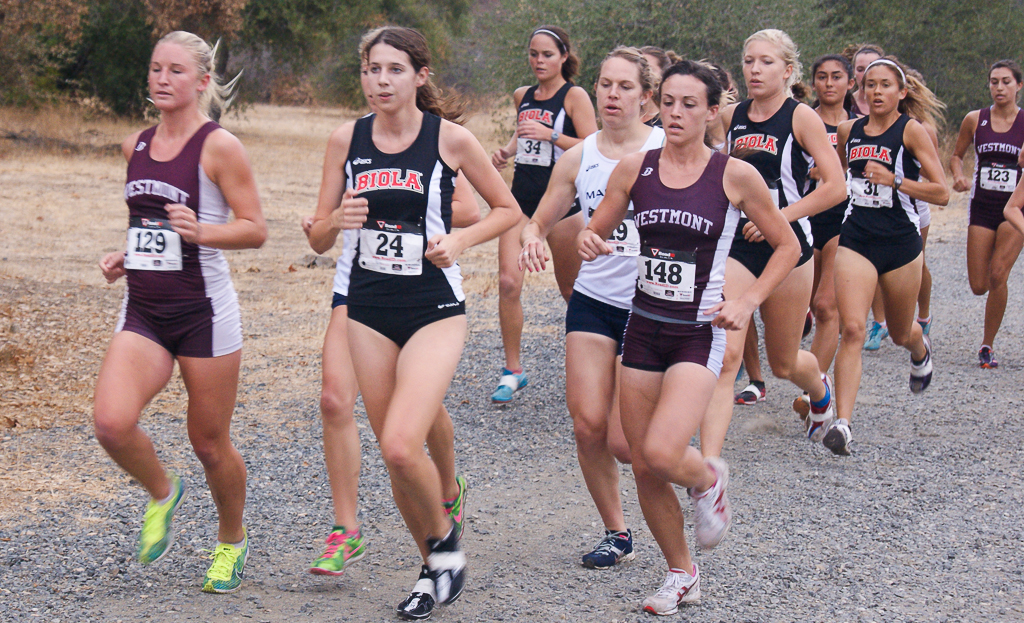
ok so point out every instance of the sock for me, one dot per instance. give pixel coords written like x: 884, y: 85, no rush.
x: 518, y: 370
x: 338, y: 528
x: 821, y: 404
x: 238, y: 545
x: 677, y: 570
x: 916, y: 363
x: 924, y: 320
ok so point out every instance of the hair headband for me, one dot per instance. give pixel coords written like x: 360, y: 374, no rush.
x: 885, y: 61
x: 545, y: 31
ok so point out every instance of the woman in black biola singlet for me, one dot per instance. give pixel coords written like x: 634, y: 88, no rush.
x: 685, y: 198
x: 780, y: 137
x: 887, y: 154
x: 992, y: 244
x: 186, y: 177
x: 406, y: 307
x: 832, y: 81
x: 552, y: 116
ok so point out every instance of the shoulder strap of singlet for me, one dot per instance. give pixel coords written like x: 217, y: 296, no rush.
x: 361, y: 134
x: 563, y: 91
x: 430, y: 132
x: 145, y: 139
x: 740, y: 112
x: 529, y: 95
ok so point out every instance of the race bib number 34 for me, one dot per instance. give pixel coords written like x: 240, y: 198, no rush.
x: 998, y: 176
x: 152, y: 245
x: 866, y: 194
x: 533, y: 151
x: 391, y: 247
x: 667, y: 275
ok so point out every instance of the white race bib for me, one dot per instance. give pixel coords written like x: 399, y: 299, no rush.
x: 625, y: 240
x: 534, y: 152
x: 391, y: 247
x: 866, y: 194
x: 667, y: 275
x: 998, y: 176
x: 152, y: 245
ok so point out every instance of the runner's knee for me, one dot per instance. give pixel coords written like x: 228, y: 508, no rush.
x: 337, y: 404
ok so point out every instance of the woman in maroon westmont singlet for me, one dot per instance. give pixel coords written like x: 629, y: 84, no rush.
x: 186, y: 177
x: 685, y: 198
x: 992, y: 244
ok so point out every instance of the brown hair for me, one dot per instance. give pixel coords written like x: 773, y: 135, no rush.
x: 649, y: 79
x: 571, y: 66
x: 1008, y: 64
x: 666, y: 58
x: 429, y: 98
x: 920, y: 103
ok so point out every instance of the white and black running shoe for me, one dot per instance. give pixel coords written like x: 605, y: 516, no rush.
x: 921, y: 372
x: 447, y: 565
x: 838, y: 438
x: 420, y: 602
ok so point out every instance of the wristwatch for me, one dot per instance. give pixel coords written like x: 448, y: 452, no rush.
x: 554, y: 136
x: 897, y: 182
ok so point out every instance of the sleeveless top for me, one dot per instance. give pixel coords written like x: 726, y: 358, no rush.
x: 195, y: 273
x: 772, y: 148
x: 410, y: 201
x: 685, y: 237
x: 879, y: 211
x: 996, y: 172
x: 610, y: 279
x: 811, y: 184
x: 535, y: 158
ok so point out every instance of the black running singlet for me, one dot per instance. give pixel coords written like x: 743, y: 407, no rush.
x: 535, y: 158
x: 410, y: 201
x: 772, y: 148
x: 880, y: 211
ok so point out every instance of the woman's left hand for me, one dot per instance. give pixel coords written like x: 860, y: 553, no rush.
x: 534, y: 130
x: 184, y: 222
x: 733, y: 315
x: 752, y: 233
x: 878, y: 175
x: 443, y: 250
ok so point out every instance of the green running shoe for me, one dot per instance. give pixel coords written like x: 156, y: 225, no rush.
x: 225, y: 574
x: 343, y: 549
x: 156, y: 537
x: 456, y: 509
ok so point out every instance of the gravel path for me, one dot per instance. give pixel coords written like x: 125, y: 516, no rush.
x: 925, y: 521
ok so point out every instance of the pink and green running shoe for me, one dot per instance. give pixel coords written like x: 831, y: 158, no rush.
x: 456, y: 509
x: 343, y: 549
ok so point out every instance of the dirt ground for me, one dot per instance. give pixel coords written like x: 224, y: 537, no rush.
x: 61, y: 180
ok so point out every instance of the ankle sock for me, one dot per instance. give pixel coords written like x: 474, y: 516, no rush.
x: 821, y: 404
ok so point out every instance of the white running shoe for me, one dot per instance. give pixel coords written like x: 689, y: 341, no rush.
x: 679, y: 588
x: 818, y: 423
x: 921, y: 373
x: 712, y: 515
x: 838, y: 438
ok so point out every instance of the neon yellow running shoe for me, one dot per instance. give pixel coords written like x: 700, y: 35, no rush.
x: 156, y: 537
x: 225, y: 574
x: 343, y: 549
x: 456, y: 509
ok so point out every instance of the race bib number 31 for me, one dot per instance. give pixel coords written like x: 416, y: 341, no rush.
x: 391, y: 247
x: 998, y: 176
x: 152, y: 245
x: 533, y: 152
x: 667, y: 275
x: 866, y: 194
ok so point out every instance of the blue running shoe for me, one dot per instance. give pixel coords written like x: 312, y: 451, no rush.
x: 509, y: 384
x: 987, y: 358
x: 926, y: 325
x: 614, y: 548
x: 875, y: 337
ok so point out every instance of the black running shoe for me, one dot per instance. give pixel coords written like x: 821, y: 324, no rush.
x: 921, y: 372
x: 447, y: 565
x: 420, y: 602
x: 614, y: 548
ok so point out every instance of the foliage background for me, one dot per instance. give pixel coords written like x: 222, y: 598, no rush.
x: 303, y: 51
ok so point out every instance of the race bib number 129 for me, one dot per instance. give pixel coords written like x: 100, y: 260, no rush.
x: 152, y: 245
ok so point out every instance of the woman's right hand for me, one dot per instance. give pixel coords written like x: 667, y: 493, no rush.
x: 112, y: 266
x: 590, y: 245
x: 352, y: 212
x: 961, y: 184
